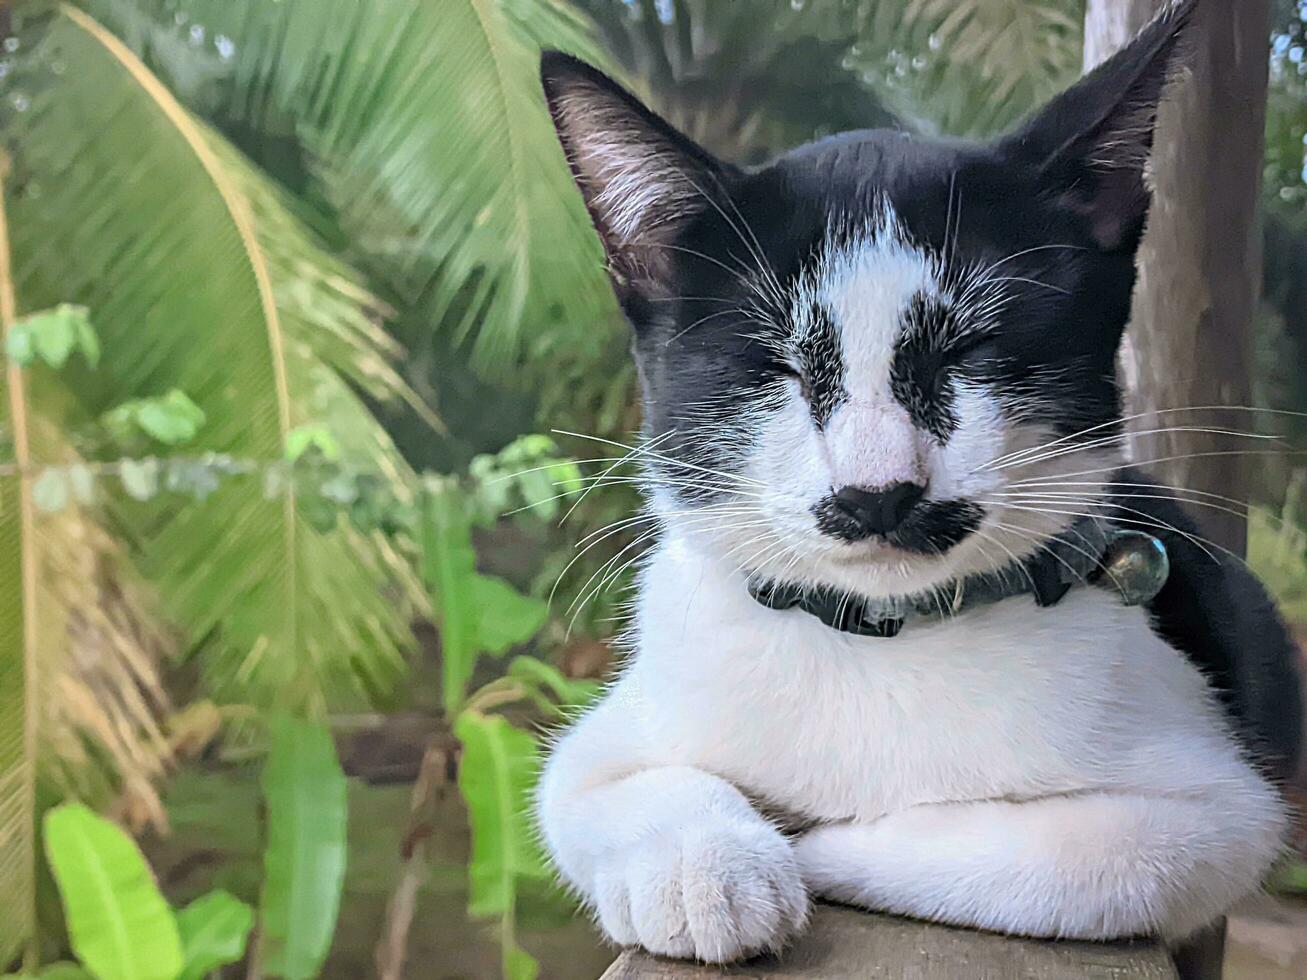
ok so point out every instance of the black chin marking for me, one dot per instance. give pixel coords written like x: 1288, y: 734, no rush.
x: 936, y: 526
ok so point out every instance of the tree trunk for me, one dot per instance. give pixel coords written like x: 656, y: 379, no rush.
x: 1190, y: 338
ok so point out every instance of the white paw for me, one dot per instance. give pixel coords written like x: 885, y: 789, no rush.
x: 717, y: 893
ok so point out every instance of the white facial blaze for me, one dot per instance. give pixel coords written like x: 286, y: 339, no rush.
x: 873, y: 445
x: 865, y: 287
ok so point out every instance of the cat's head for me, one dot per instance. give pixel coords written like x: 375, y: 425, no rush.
x: 852, y: 357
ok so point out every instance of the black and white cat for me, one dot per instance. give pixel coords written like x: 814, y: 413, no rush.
x: 882, y: 369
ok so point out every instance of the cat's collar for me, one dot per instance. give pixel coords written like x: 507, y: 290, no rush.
x: 1132, y: 563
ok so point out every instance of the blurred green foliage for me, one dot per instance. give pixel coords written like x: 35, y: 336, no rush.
x: 121, y: 927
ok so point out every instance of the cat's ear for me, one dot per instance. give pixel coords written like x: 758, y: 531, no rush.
x: 640, y: 178
x: 1093, y: 143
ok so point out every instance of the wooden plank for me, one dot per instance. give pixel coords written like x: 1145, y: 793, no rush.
x: 845, y: 944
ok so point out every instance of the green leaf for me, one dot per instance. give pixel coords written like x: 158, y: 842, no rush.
x: 118, y: 923
x: 54, y: 340
x: 213, y: 930
x: 1291, y: 877
x: 53, y: 335
x: 504, y: 617
x: 20, y: 345
x: 300, y: 440
x: 496, y: 775
x: 477, y: 613
x: 304, y: 862
x: 172, y: 419
x: 531, y: 466
x: 519, y: 964
x: 50, y: 491
x: 140, y: 477
x: 87, y: 341
x: 70, y: 726
x: 448, y: 568
x: 546, y: 677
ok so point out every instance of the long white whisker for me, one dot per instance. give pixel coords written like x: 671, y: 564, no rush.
x: 1151, y: 522
x: 1124, y: 437
x: 1170, y: 459
x: 1145, y: 414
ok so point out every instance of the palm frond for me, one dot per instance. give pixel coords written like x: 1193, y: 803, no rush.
x: 751, y: 79
x: 747, y: 80
x: 80, y: 696
x: 20, y: 657
x: 426, y: 130
x: 198, y: 280
x: 970, y: 67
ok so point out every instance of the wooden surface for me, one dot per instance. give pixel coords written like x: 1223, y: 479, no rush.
x: 844, y: 944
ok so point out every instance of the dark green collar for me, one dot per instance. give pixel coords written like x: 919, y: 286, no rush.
x: 1133, y: 563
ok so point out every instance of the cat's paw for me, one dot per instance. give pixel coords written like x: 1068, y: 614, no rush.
x: 717, y: 892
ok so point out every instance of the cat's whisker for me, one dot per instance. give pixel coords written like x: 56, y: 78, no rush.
x: 1000, y: 526
x: 1031, y: 251
x: 1248, y: 409
x: 1150, y: 522
x: 584, y: 595
x: 674, y: 483
x: 703, y: 319
x: 597, y: 537
x: 1121, y: 438
x: 1073, y: 495
x: 1125, y: 489
x: 730, y: 477
x: 646, y: 516
x: 740, y: 274
x: 647, y: 446
x: 1031, y: 282
x: 759, y: 254
x: 706, y: 523
x: 1116, y: 467
x: 696, y: 518
x: 1043, y: 541
x: 754, y: 249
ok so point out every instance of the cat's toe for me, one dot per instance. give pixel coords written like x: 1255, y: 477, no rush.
x: 715, y: 894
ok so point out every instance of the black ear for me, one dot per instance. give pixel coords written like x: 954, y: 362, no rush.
x: 640, y: 178
x: 1093, y: 142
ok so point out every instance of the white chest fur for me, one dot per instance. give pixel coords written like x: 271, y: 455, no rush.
x: 1009, y: 701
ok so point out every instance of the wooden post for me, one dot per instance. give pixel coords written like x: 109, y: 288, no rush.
x: 1190, y: 340
x: 843, y: 944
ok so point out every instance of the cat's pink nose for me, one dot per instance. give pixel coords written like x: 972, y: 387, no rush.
x: 878, y: 511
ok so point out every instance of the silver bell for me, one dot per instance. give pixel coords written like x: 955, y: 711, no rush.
x: 1136, y: 565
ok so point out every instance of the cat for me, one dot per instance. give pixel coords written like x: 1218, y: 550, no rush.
x: 883, y: 366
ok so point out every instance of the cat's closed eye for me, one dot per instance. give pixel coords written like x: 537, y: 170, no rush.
x: 980, y: 352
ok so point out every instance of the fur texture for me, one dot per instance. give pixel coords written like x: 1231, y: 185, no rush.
x: 871, y: 313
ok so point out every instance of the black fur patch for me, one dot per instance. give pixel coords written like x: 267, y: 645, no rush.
x: 919, y: 377
x: 822, y: 366
x: 935, y: 526
x: 932, y: 527
x: 1214, y: 610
